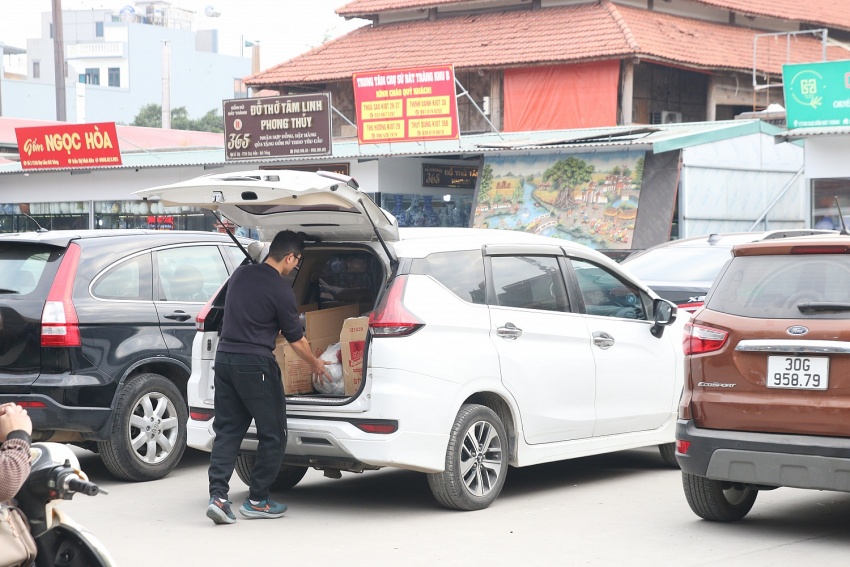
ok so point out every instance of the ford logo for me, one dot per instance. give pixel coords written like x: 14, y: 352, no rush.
x: 797, y: 330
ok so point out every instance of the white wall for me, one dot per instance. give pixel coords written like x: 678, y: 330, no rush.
x: 725, y: 186
x: 826, y: 156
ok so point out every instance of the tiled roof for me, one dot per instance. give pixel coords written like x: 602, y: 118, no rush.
x: 705, y: 45
x: 832, y: 13
x: 567, y: 34
x: 365, y: 7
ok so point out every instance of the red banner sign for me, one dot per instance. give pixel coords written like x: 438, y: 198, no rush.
x: 68, y: 145
x: 406, y: 105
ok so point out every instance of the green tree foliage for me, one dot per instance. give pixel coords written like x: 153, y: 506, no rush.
x: 150, y: 116
x: 566, y: 175
x: 638, y: 175
x: 485, y: 184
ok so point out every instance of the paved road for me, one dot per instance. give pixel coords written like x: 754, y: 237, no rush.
x: 619, y: 509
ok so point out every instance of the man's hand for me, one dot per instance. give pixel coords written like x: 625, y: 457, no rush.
x: 12, y: 418
x: 317, y: 365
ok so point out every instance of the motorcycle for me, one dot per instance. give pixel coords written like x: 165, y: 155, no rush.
x: 55, y: 476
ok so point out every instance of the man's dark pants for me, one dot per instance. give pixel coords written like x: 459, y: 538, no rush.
x: 247, y: 387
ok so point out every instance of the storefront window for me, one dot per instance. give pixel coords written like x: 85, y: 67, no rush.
x: 428, y: 210
x: 81, y: 215
x: 22, y: 217
x: 825, y: 192
x: 141, y: 214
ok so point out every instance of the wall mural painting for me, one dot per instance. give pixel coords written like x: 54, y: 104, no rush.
x: 588, y: 198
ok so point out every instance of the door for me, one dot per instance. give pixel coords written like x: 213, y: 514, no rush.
x: 185, y: 279
x: 635, y: 371
x: 543, y: 348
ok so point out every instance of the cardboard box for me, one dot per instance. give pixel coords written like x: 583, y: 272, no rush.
x: 295, y: 373
x: 327, y: 322
x: 352, y: 339
x: 322, y: 329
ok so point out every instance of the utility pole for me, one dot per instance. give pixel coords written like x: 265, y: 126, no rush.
x: 59, y: 60
x: 166, y: 85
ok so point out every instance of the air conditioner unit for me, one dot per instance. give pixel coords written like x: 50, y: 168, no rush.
x: 666, y: 117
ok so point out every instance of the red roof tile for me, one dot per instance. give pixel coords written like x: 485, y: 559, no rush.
x: 584, y: 32
x: 831, y: 13
x: 364, y: 7
x: 705, y: 45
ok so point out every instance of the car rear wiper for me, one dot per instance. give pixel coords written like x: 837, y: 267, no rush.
x: 818, y: 306
x: 4, y: 290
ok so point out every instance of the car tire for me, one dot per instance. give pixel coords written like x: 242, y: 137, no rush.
x: 668, y: 454
x: 287, y: 477
x: 476, y: 461
x: 148, y: 435
x: 716, y: 500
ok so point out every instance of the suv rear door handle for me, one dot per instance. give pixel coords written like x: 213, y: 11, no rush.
x: 509, y: 332
x: 178, y: 316
x: 603, y: 340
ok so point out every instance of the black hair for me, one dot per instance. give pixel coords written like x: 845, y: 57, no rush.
x: 284, y: 243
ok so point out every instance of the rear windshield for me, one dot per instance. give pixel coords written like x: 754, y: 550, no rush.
x: 785, y: 287
x: 22, y: 266
x: 679, y: 265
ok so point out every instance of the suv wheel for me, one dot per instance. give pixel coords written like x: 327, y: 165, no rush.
x: 476, y: 461
x: 668, y: 454
x: 148, y: 434
x: 716, y: 500
x: 287, y: 477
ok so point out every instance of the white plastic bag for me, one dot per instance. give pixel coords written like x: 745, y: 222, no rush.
x: 333, y: 367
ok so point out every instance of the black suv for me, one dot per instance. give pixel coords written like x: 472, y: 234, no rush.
x: 96, y: 332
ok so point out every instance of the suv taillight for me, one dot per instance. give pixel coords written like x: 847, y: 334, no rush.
x: 205, y: 312
x: 700, y: 340
x: 59, y: 324
x: 202, y: 315
x: 691, y: 307
x: 391, y: 318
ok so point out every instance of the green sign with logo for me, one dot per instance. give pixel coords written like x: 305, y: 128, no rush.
x: 817, y: 94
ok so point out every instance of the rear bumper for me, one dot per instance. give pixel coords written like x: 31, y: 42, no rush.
x: 341, y: 444
x: 766, y: 459
x: 56, y: 417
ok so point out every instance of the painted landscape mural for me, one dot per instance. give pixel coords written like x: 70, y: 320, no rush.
x: 588, y: 198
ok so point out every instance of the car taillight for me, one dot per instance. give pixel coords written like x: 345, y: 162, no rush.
x: 205, y: 312
x: 202, y: 315
x: 391, y: 318
x: 32, y: 405
x: 691, y: 307
x: 700, y: 340
x: 682, y: 446
x: 59, y: 324
x: 201, y: 415
x: 820, y: 249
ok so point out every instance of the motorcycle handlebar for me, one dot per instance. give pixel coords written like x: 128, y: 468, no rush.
x: 84, y: 486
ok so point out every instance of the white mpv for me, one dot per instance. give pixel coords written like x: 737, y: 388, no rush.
x: 485, y: 348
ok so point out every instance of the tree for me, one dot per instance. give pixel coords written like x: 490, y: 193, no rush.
x: 566, y: 175
x: 639, y: 170
x: 485, y: 183
x: 150, y: 116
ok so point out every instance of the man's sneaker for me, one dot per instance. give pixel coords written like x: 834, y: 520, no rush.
x: 267, y: 508
x: 219, y: 511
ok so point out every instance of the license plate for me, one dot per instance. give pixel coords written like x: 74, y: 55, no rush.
x: 798, y: 372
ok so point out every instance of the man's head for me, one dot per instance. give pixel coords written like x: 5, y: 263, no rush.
x: 285, y: 251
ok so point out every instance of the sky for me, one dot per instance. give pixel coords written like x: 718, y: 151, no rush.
x: 283, y: 28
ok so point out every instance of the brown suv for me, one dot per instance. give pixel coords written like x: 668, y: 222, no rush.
x: 766, y: 401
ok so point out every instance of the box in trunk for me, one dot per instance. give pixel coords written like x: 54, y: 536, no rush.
x: 352, y: 341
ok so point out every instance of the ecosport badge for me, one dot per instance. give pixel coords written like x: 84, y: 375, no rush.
x: 797, y: 330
